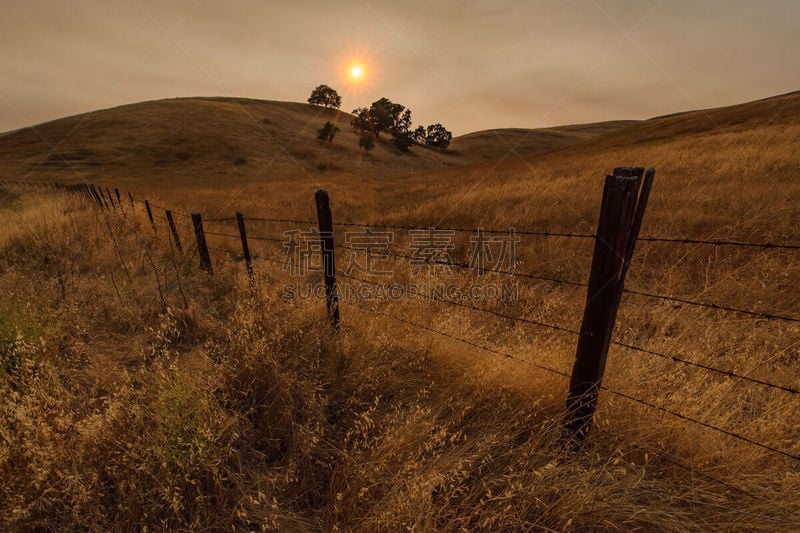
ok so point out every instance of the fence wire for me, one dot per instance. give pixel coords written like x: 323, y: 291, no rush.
x: 614, y: 392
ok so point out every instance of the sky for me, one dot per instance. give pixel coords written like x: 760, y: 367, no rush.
x: 470, y: 64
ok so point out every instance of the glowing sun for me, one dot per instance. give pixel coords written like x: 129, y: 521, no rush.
x: 356, y: 72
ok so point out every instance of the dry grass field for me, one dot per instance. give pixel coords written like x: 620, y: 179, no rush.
x: 140, y: 393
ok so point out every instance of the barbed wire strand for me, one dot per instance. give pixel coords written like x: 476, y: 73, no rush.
x: 546, y: 233
x: 237, y: 236
x: 465, y: 266
x: 280, y: 220
x: 708, y: 305
x: 701, y: 423
x: 470, y: 230
x: 711, y: 305
x: 717, y: 242
x: 728, y: 373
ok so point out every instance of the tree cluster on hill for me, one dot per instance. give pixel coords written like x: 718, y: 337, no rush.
x: 382, y: 116
x: 434, y: 135
x: 386, y: 116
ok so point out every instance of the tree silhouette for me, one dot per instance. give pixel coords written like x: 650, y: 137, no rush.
x: 382, y: 115
x: 327, y: 132
x: 419, y: 135
x: 366, y: 141
x: 362, y: 120
x: 326, y: 97
x: 436, y: 135
x: 403, y: 141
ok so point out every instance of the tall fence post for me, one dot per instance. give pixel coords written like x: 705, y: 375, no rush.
x: 150, y: 214
x: 174, y: 231
x: 202, y: 247
x: 621, y: 213
x: 248, y: 261
x: 325, y: 221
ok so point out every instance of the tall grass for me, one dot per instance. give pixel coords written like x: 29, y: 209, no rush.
x: 138, y: 392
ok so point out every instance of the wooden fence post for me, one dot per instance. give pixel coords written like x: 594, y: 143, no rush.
x: 202, y: 247
x: 621, y: 213
x: 248, y: 261
x: 96, y: 195
x: 174, y: 231
x: 150, y: 214
x: 325, y: 221
x: 111, y: 199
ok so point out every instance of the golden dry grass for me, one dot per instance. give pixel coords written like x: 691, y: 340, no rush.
x: 139, y: 392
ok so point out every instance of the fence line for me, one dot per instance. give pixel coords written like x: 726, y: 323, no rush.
x: 105, y: 199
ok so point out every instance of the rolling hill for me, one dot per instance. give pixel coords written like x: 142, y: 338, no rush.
x: 205, y: 140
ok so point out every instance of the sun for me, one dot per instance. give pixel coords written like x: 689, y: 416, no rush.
x: 356, y: 72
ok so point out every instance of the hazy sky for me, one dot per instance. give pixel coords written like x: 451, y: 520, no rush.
x: 472, y: 64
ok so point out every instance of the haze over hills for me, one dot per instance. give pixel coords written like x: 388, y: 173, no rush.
x: 230, y: 138
x: 210, y: 139
x: 211, y: 142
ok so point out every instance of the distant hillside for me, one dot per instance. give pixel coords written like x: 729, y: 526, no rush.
x: 213, y: 140
x: 496, y: 143
x: 783, y: 110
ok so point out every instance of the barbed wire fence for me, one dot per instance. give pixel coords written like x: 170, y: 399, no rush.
x: 623, y: 205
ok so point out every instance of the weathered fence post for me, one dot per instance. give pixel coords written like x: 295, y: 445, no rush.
x: 248, y: 261
x: 621, y: 213
x: 111, y: 199
x: 174, y: 231
x: 96, y: 195
x: 150, y: 214
x: 202, y: 247
x: 325, y: 221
